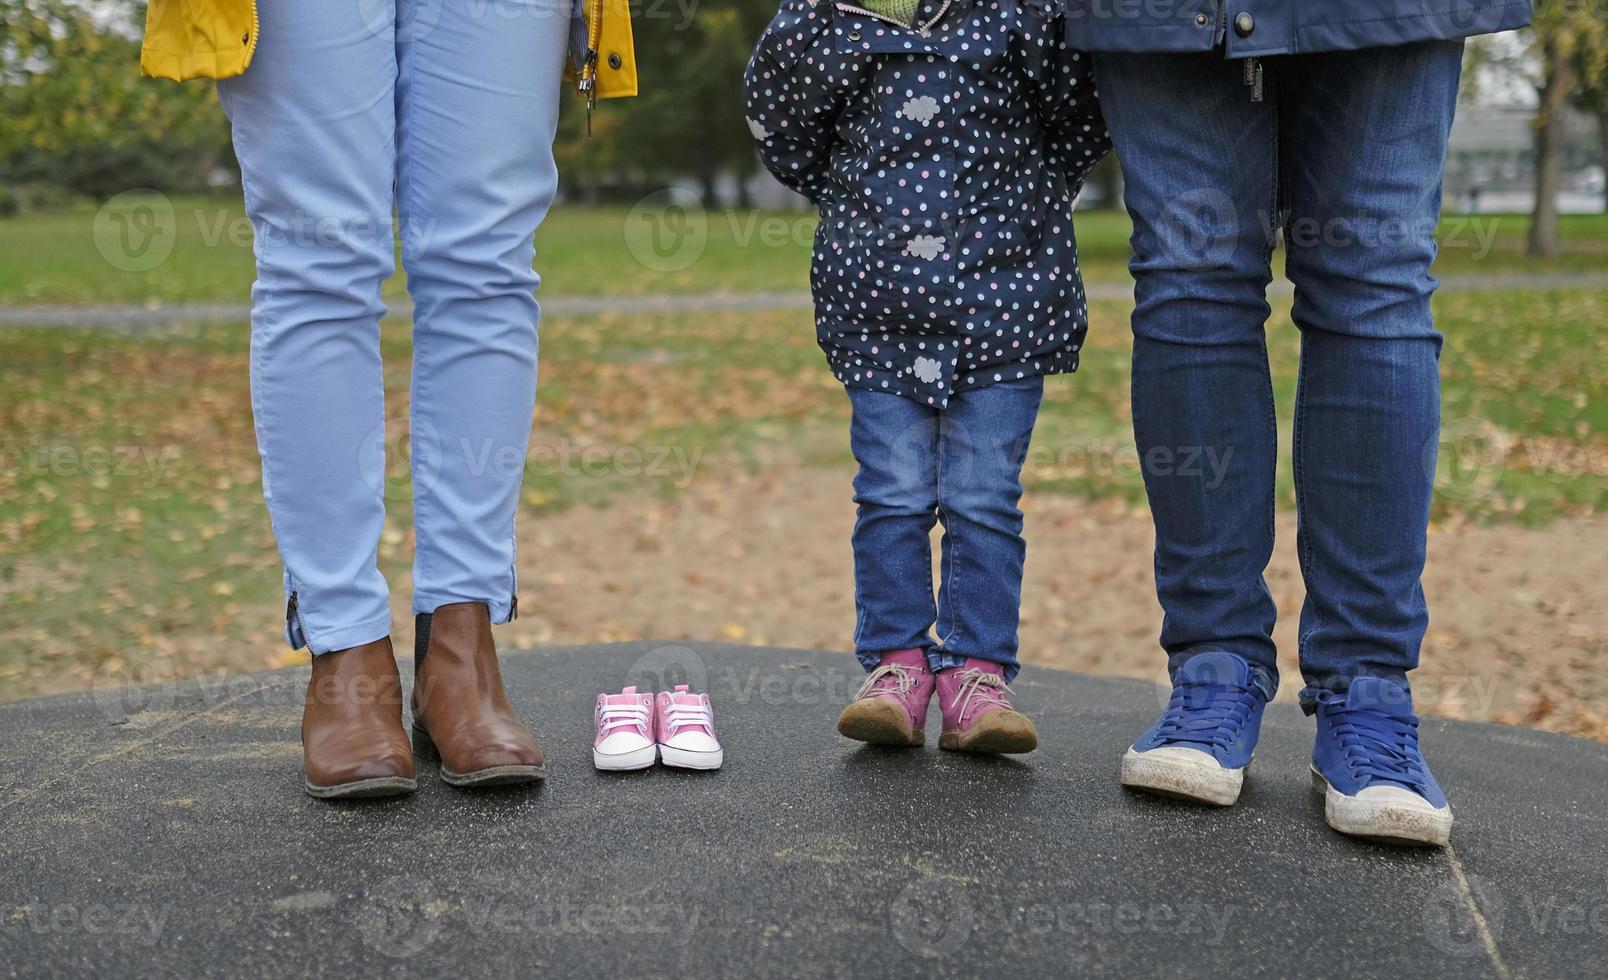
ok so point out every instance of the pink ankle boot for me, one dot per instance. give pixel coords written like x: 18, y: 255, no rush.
x: 977, y: 712
x: 891, y: 707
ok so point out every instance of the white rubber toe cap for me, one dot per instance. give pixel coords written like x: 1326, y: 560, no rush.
x: 1395, y: 796
x: 1389, y: 814
x: 1178, y: 755
x: 621, y: 743
x: 693, y: 742
x: 1182, y: 773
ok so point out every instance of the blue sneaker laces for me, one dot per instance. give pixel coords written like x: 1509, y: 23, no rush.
x: 1210, y: 715
x: 1378, y: 746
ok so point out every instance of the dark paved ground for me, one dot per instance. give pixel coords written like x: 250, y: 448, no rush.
x: 162, y: 831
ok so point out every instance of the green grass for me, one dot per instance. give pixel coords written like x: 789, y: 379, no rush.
x: 131, y: 522
x: 156, y: 251
x: 199, y: 249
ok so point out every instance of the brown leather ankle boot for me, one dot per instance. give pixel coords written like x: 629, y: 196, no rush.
x: 353, y: 743
x: 460, y: 713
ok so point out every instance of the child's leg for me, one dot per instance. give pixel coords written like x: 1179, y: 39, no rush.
x: 895, y: 441
x: 982, y: 445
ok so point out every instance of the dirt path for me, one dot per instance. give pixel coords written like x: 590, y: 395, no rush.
x: 1517, y: 634
x: 1517, y: 631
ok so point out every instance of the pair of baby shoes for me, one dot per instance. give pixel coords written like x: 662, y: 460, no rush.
x: 635, y: 729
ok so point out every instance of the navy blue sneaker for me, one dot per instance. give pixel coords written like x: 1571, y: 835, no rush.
x: 1200, y: 747
x: 1367, y: 762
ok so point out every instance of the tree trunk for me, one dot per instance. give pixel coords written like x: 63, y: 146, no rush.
x: 1555, y: 90
x: 1602, y: 139
x: 1107, y: 176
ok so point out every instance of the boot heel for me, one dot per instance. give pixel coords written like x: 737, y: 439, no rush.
x: 424, y: 746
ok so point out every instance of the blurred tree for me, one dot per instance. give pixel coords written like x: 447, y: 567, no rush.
x: 1591, y: 97
x: 1106, y: 178
x: 1570, y: 39
x: 688, y: 121
x: 78, y: 115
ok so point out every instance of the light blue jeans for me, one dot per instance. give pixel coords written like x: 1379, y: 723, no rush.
x: 444, y: 110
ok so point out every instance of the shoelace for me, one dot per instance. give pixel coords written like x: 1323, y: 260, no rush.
x: 679, y: 716
x: 616, y: 716
x: 1206, y: 714
x: 988, y: 689
x: 1378, y: 746
x: 904, y: 680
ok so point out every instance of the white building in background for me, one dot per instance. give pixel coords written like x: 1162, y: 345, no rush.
x: 1490, y: 164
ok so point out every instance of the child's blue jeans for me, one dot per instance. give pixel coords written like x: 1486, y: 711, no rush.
x: 446, y: 111
x: 962, y: 467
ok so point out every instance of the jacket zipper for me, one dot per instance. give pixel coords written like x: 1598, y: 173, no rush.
x: 588, y: 70
x: 925, y: 30
x: 294, y: 631
x: 256, y: 28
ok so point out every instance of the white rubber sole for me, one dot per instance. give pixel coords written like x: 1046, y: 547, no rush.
x: 683, y: 759
x: 625, y: 761
x: 1398, y: 818
x: 1182, y: 774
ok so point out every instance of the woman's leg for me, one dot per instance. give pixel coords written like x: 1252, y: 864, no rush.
x: 313, y: 130
x: 1200, y: 161
x: 1364, y: 140
x: 895, y: 441
x: 983, y: 438
x: 477, y: 109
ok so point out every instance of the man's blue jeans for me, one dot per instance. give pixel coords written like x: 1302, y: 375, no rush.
x: 446, y: 111
x: 961, y: 466
x: 1343, y: 157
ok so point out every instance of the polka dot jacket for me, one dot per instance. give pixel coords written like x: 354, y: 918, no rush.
x: 943, y: 157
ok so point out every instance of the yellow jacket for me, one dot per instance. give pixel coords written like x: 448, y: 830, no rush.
x: 216, y: 39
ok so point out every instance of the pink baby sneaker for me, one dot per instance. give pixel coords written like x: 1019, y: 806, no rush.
x: 624, y: 737
x: 684, y: 727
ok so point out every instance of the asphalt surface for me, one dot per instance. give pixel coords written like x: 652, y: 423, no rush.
x: 134, y: 318
x: 161, y: 830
